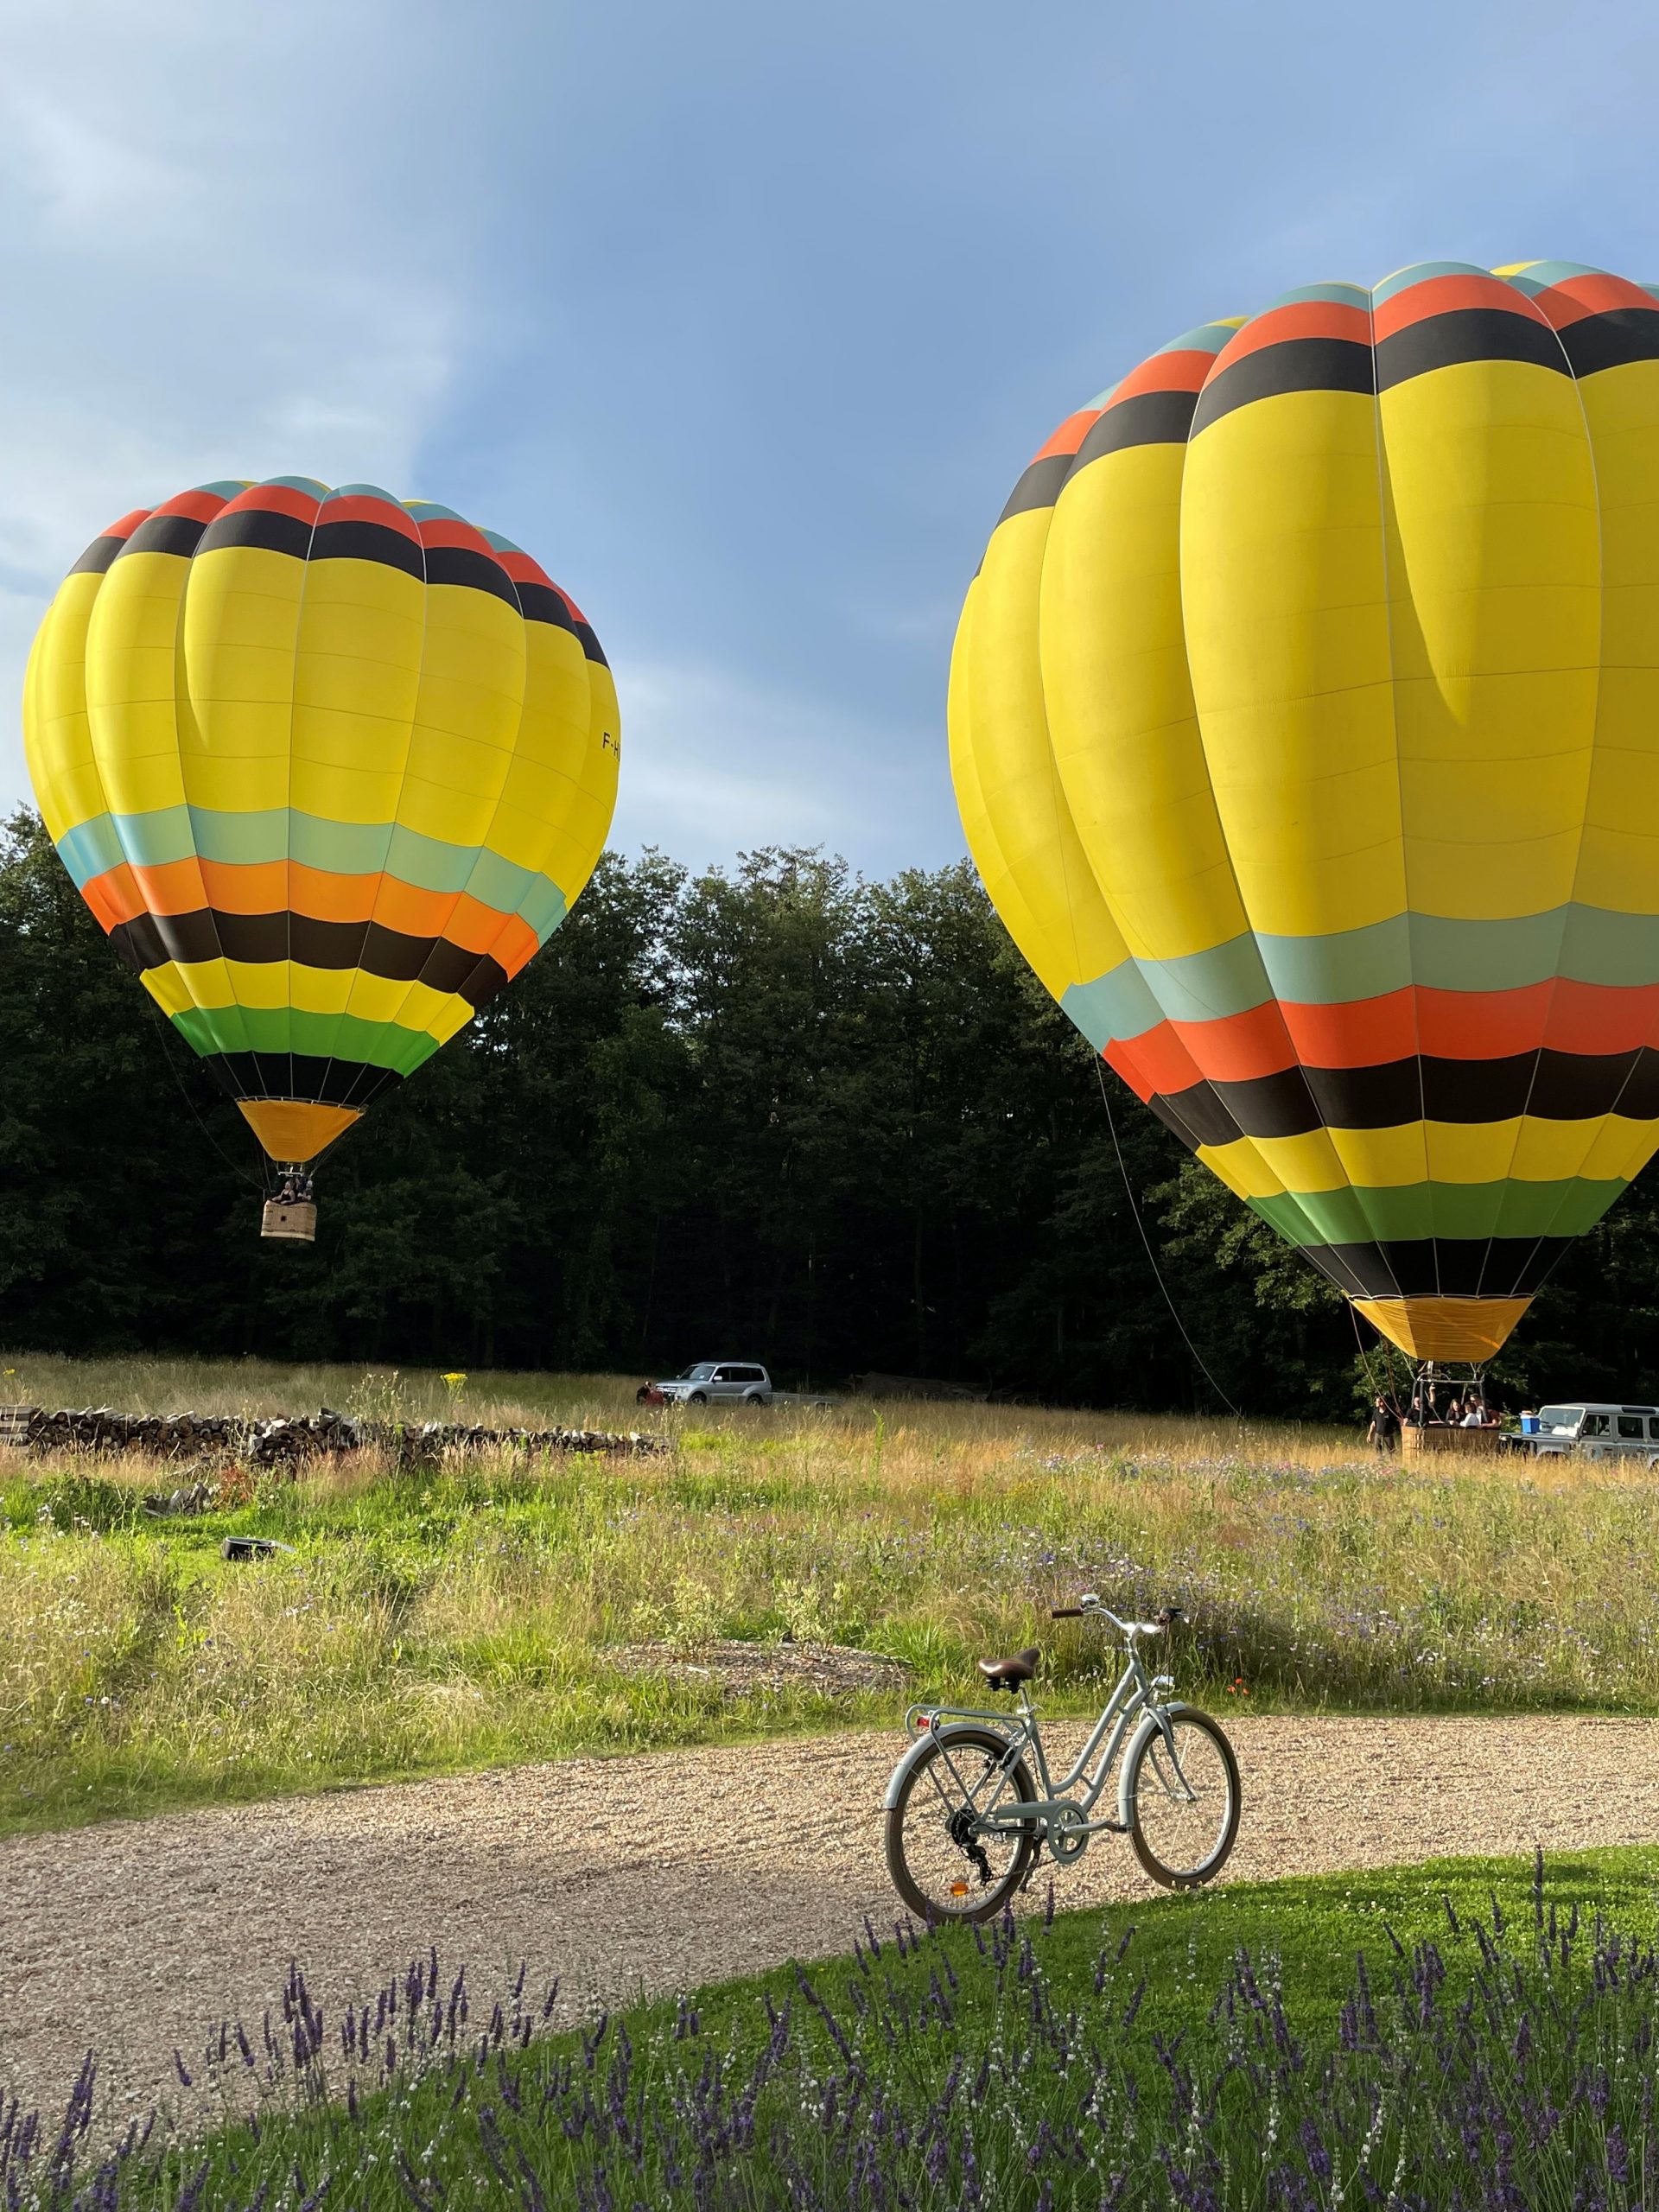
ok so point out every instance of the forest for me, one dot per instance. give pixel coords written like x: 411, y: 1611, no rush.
x: 777, y: 1112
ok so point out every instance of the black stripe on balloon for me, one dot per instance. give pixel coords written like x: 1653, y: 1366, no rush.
x: 151, y: 940
x: 1147, y: 418
x: 1440, y: 1267
x: 1039, y: 486
x: 300, y: 1075
x: 1555, y: 1086
x: 540, y: 603
x: 1294, y: 365
x: 95, y: 561
x: 164, y: 534
x: 1196, y: 1116
x: 1608, y: 341
x: 261, y: 527
x: 368, y: 540
x: 1445, y: 341
x: 460, y: 564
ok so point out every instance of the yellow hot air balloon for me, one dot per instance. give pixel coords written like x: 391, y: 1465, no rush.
x: 328, y: 767
x: 1305, y: 727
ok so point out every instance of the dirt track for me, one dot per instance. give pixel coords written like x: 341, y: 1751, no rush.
x: 671, y: 1870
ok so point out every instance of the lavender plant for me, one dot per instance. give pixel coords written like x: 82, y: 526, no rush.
x: 1489, y: 2064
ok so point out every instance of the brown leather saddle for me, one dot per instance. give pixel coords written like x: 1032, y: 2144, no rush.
x: 1008, y: 1673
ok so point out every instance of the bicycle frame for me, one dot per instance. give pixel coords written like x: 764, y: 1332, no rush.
x: 1057, y: 1813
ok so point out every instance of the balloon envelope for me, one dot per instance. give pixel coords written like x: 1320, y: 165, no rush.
x: 328, y: 767
x: 1305, y: 727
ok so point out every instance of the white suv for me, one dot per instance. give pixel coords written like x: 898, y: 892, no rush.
x: 1595, y: 1432
x: 726, y: 1381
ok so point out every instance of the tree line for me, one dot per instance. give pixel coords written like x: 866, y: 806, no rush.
x: 776, y: 1112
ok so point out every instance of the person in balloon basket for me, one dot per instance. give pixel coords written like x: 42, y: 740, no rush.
x: 1384, y: 1425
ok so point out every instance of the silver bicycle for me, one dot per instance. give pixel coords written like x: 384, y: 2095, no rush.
x: 966, y: 1827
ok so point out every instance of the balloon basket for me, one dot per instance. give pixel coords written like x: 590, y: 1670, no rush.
x: 293, y: 1219
x: 1461, y: 1443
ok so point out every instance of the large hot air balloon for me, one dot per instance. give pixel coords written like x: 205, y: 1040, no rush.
x: 1305, y: 726
x: 328, y: 767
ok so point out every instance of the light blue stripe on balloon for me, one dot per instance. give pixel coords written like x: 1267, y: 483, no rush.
x: 544, y: 908
x: 1601, y: 947
x: 1344, y: 296
x: 156, y: 839
x: 1347, y: 965
x: 89, y: 849
x: 1205, y: 986
x: 249, y: 840
x: 498, y: 882
x: 1116, y: 1006
x: 1539, y: 276
x: 1420, y: 273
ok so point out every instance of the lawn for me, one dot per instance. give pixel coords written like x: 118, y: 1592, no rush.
x: 474, y: 1614
x: 1471, y: 2032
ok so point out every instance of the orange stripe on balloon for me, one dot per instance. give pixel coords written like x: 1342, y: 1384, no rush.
x: 1300, y: 319
x: 256, y: 889
x: 113, y: 898
x: 1244, y: 1044
x: 1448, y: 295
x: 1181, y: 371
x: 514, y: 946
x: 174, y: 887
x: 1575, y: 297
x: 1070, y: 435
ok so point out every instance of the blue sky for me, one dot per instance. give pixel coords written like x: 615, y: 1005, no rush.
x: 743, y: 318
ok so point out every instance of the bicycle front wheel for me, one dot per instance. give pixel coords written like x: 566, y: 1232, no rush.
x: 944, y: 1865
x: 1184, y: 1800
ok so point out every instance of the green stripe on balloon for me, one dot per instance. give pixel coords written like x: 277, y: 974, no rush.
x: 1462, y: 1212
x: 345, y: 1037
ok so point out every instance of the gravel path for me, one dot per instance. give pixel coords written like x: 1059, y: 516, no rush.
x: 673, y: 1869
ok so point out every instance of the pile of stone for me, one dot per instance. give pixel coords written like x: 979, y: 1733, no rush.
x: 288, y: 1440
x: 416, y: 1445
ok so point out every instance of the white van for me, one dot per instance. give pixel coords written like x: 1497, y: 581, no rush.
x: 1595, y: 1432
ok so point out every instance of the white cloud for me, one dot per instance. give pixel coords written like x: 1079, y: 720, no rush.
x: 84, y: 178
x: 204, y: 276
x: 714, y: 764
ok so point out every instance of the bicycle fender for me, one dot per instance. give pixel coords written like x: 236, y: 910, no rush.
x: 1151, y: 1725
x: 913, y: 1752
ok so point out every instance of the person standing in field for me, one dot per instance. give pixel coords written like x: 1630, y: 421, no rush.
x: 1381, y: 1433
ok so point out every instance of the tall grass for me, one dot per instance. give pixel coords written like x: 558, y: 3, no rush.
x: 474, y: 1614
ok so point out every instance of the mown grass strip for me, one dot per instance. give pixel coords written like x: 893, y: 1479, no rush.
x: 1469, y: 2031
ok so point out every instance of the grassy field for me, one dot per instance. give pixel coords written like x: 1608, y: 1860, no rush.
x: 473, y: 1615
x: 1473, y: 2031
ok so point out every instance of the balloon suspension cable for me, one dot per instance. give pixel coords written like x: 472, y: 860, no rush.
x: 236, y: 1167
x: 1423, y: 1377
x: 1158, y: 1273
x: 1391, y: 1396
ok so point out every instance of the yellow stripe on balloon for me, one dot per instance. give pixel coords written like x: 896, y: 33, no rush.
x: 1285, y: 600
x: 239, y: 640
x: 1120, y: 705
x: 131, y: 679
x: 1018, y: 824
x: 1494, y: 561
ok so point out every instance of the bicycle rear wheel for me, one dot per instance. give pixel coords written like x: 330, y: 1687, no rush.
x: 942, y: 1865
x: 1183, y: 1811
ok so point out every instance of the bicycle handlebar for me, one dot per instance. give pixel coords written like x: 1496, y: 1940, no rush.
x: 1091, y: 1607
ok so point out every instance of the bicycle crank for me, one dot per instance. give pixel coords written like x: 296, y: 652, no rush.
x: 1068, y: 1834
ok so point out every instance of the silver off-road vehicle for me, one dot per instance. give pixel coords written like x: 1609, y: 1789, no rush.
x: 714, y: 1381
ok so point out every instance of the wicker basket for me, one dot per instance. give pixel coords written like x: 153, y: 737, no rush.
x: 293, y: 1218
